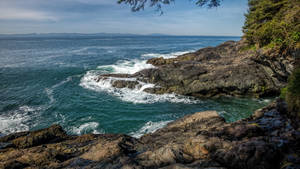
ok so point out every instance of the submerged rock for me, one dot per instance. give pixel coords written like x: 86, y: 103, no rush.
x: 227, y: 69
x: 266, y: 140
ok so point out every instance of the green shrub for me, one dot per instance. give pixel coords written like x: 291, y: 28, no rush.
x: 283, y: 93
x: 273, y: 23
x: 293, y: 93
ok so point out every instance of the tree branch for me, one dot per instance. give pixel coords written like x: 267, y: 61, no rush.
x: 137, y: 5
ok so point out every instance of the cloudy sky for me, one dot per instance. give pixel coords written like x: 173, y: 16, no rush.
x: 96, y: 16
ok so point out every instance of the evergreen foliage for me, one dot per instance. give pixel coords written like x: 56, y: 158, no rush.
x: 293, y: 93
x: 273, y: 23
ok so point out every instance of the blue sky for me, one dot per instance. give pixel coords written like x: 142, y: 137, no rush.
x: 96, y: 16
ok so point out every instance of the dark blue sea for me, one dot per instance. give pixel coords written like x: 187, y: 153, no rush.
x: 50, y: 80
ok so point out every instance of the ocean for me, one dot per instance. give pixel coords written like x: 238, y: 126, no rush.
x: 50, y: 80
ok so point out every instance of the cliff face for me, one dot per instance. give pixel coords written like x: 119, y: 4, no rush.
x: 201, y: 140
x: 227, y: 69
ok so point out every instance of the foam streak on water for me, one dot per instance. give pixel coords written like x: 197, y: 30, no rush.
x: 149, y: 127
x: 166, y: 56
x: 90, y: 127
x: 49, y: 91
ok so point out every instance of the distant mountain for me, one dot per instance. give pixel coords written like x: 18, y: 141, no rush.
x: 90, y: 35
x: 75, y: 34
x: 158, y: 34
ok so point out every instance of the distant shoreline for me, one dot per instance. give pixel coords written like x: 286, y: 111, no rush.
x: 102, y: 34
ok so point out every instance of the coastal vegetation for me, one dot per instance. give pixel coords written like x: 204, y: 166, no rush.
x: 291, y: 93
x: 273, y: 24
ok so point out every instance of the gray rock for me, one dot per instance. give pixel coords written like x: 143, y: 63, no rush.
x: 216, y: 71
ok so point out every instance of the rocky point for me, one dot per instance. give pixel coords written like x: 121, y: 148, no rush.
x: 228, y: 69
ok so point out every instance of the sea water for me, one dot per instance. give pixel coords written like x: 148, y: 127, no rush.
x: 51, y: 80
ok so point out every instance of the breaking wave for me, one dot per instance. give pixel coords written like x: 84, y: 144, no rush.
x: 90, y: 127
x: 136, y: 95
x: 166, y: 56
x: 19, y: 120
x: 149, y: 127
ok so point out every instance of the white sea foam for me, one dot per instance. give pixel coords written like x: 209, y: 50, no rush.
x: 135, y: 65
x: 90, y: 127
x: 127, y: 66
x: 149, y: 127
x: 136, y: 95
x: 166, y: 56
x: 264, y: 100
x: 18, y: 120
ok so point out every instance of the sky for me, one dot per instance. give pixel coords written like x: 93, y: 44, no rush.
x: 106, y: 16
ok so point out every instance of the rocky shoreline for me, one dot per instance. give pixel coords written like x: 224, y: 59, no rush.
x: 228, y: 69
x: 266, y: 140
x: 269, y: 139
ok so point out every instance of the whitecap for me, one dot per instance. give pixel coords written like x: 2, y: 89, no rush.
x: 88, y: 50
x: 136, y: 95
x: 90, y: 127
x: 127, y: 66
x: 167, y: 55
x: 149, y: 127
x: 18, y: 120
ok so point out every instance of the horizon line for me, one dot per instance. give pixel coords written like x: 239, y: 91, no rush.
x: 76, y: 33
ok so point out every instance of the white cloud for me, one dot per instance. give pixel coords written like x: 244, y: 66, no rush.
x: 95, y: 2
x: 25, y: 14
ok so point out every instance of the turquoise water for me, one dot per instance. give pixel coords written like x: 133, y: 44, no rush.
x: 47, y: 80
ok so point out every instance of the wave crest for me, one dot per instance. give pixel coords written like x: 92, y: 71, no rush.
x: 136, y: 95
x: 18, y: 120
x: 149, y: 127
x: 90, y: 127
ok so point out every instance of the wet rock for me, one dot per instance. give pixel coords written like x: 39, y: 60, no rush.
x: 13, y: 136
x: 5, y: 145
x: 125, y: 84
x: 53, y: 134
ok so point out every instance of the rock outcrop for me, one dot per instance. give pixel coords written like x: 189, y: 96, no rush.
x: 227, y: 69
x: 266, y: 140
